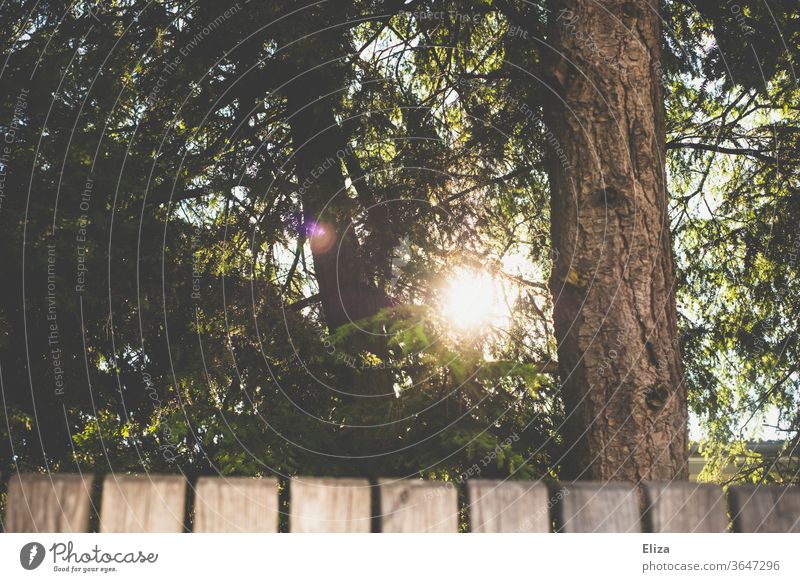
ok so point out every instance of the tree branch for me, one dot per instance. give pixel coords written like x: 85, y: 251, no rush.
x: 721, y: 149
x: 305, y: 302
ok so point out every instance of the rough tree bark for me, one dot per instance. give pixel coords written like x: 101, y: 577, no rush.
x: 613, y: 278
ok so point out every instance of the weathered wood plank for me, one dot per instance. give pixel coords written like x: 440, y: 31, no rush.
x: 765, y: 508
x: 418, y: 507
x: 680, y: 506
x: 321, y: 505
x: 142, y: 504
x: 599, y: 507
x: 48, y: 503
x: 236, y: 504
x: 508, y: 506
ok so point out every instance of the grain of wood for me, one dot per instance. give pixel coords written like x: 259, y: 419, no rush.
x: 765, y: 508
x: 418, y: 507
x: 680, y: 506
x: 508, y: 507
x: 600, y: 507
x: 142, y: 504
x: 236, y: 504
x: 48, y: 503
x: 321, y: 505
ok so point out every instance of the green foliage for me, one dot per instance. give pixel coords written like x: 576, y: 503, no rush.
x: 735, y: 222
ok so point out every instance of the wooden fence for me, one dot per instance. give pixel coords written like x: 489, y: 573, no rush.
x: 159, y: 503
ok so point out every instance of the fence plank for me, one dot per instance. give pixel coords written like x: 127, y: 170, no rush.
x: 48, y: 503
x: 600, y: 507
x: 142, y: 504
x: 418, y: 507
x: 236, y: 504
x: 680, y: 506
x: 508, y: 506
x: 765, y: 508
x: 322, y: 505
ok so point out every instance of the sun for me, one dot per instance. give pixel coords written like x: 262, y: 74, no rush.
x: 472, y: 300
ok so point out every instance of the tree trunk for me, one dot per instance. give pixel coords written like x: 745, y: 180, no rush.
x: 346, y: 291
x: 613, y: 277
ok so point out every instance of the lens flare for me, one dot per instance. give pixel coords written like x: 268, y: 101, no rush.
x: 321, y: 236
